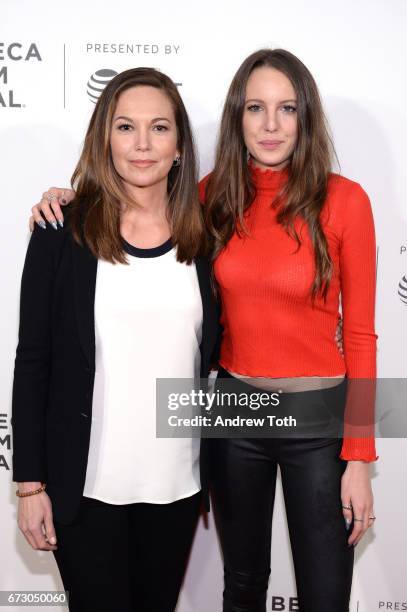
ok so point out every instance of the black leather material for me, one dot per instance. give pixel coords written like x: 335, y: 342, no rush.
x: 243, y: 478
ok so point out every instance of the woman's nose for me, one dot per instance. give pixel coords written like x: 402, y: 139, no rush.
x: 270, y: 121
x: 142, y: 140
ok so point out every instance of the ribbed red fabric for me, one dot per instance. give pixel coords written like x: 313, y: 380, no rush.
x: 271, y: 326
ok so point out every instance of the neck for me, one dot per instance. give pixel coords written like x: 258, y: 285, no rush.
x: 268, y: 179
x: 145, y: 224
x: 149, y: 202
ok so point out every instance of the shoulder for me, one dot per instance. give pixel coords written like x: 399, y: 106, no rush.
x: 346, y: 197
x: 49, y: 240
x: 348, y: 207
x: 342, y: 189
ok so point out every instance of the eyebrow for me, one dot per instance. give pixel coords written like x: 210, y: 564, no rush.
x: 152, y: 121
x: 280, y: 102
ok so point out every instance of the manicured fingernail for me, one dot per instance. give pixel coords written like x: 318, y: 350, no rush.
x: 63, y: 200
x: 42, y: 224
x: 54, y: 225
x: 347, y: 523
x: 61, y: 222
x: 53, y: 540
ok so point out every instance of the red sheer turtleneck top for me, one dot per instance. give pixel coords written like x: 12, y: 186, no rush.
x: 271, y: 326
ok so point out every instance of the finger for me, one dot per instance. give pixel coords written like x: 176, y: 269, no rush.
x: 362, y: 533
x: 347, y: 516
x: 49, y: 529
x: 37, y: 216
x: 46, y: 209
x: 31, y: 223
x: 27, y: 534
x: 367, y: 522
x: 370, y: 523
x: 359, y: 526
x: 356, y: 531
x: 371, y: 517
x: 40, y: 540
x: 66, y: 196
x: 59, y: 192
x: 347, y: 512
x: 56, y: 208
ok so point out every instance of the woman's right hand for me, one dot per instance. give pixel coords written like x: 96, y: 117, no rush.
x: 35, y: 518
x: 50, y: 206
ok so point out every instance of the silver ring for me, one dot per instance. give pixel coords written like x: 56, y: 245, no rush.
x: 51, y: 197
x: 347, y: 507
x: 372, y: 518
x: 359, y: 520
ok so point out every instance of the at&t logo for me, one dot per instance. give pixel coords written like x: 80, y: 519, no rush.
x: 402, y: 289
x: 98, y: 81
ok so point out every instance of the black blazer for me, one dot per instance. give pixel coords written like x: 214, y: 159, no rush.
x: 55, y: 366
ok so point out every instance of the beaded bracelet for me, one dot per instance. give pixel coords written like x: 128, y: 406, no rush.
x: 27, y: 493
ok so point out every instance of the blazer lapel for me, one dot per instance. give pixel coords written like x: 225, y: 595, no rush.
x: 84, y: 275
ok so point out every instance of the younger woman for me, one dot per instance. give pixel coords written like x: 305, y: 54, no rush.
x: 291, y: 239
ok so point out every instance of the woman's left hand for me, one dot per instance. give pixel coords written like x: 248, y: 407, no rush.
x: 356, y: 494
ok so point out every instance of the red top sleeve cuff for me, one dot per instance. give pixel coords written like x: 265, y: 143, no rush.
x: 359, y: 449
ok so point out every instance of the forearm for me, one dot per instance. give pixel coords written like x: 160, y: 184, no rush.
x: 358, y: 289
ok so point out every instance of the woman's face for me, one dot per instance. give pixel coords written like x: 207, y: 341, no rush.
x: 143, y: 137
x: 270, y: 118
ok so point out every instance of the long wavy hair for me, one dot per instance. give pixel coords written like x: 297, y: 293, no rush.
x: 230, y: 190
x: 95, y: 213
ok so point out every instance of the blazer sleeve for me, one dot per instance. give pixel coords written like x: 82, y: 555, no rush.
x: 33, y: 356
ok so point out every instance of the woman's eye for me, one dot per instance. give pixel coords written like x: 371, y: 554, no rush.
x: 161, y: 128
x: 289, y: 108
x: 254, y: 108
x: 124, y: 127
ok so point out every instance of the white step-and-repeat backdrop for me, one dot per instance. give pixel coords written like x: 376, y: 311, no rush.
x: 49, y: 54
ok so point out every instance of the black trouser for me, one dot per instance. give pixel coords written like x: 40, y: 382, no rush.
x: 127, y: 558
x: 243, y: 475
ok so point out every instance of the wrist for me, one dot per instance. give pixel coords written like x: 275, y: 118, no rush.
x: 28, y: 486
x: 357, y: 465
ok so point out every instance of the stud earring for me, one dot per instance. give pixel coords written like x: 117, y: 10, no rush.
x: 177, y: 161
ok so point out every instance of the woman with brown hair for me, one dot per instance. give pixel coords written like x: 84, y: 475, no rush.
x: 118, y: 296
x: 291, y: 240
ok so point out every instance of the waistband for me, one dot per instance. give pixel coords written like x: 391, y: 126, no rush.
x: 243, y: 384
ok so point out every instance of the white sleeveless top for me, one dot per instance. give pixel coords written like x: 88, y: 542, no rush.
x: 148, y: 325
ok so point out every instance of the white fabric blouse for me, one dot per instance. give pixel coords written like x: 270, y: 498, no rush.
x: 148, y: 325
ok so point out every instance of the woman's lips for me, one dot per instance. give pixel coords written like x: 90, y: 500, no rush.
x: 142, y: 163
x: 270, y: 145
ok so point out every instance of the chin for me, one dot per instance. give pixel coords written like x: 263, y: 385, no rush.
x: 143, y: 179
x: 271, y: 159
x: 270, y: 163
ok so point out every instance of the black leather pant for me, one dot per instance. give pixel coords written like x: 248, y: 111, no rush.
x: 243, y: 477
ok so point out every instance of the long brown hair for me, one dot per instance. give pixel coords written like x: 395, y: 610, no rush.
x: 95, y: 214
x: 230, y: 190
